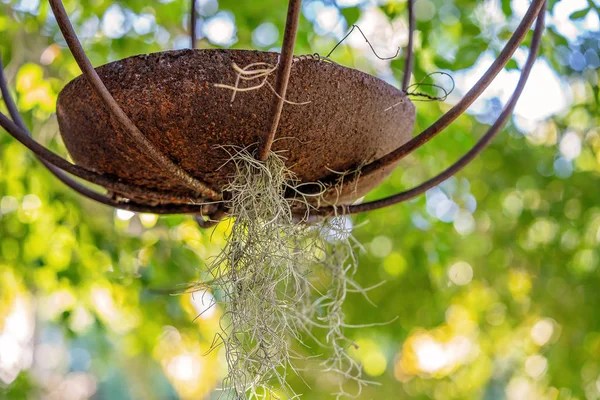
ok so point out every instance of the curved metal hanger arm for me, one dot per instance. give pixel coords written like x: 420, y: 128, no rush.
x: 468, y: 99
x: 92, y: 76
x: 410, y: 47
x: 283, y: 76
x: 467, y: 158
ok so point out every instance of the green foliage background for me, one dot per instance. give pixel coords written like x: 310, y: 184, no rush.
x: 92, y: 286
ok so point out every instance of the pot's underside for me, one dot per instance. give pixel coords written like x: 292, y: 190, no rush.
x: 171, y: 98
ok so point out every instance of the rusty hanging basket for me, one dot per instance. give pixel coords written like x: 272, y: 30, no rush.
x: 171, y: 97
x: 148, y: 128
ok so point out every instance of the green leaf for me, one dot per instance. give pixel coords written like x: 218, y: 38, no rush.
x: 512, y: 65
x: 351, y: 14
x: 470, y: 29
x: 506, y: 8
x: 580, y: 14
x: 443, y: 63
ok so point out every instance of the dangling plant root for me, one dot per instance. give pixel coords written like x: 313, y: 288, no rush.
x: 277, y: 281
x: 250, y: 73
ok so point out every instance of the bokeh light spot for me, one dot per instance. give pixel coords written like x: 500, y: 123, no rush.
x: 460, y: 273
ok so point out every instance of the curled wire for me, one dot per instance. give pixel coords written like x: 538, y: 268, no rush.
x: 411, y: 90
x: 367, y: 40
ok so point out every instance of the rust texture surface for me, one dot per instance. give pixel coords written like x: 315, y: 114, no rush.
x: 171, y: 97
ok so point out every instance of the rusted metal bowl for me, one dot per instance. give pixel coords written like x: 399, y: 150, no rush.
x: 172, y: 99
